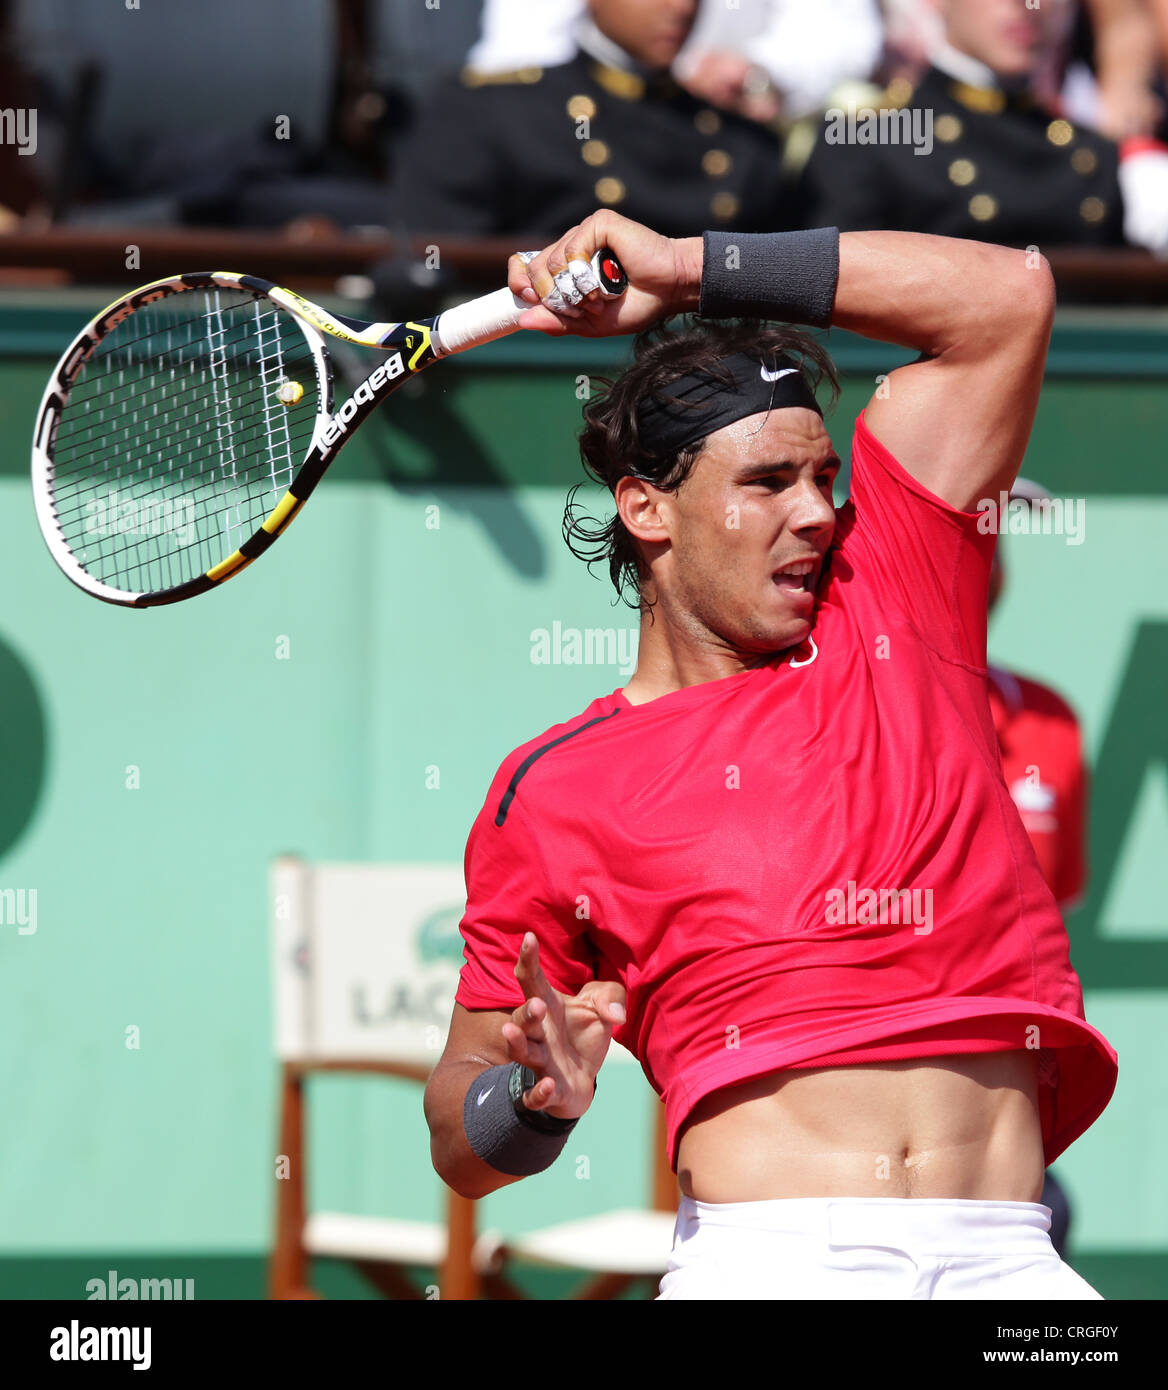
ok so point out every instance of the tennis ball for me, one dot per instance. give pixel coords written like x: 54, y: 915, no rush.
x: 290, y: 392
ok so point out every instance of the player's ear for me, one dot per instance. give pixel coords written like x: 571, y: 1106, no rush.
x: 638, y: 504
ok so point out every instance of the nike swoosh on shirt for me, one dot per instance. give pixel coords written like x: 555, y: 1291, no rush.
x: 484, y: 1095
x: 774, y: 376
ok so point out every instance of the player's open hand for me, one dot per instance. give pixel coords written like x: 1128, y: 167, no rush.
x: 562, y: 1039
x: 664, y: 278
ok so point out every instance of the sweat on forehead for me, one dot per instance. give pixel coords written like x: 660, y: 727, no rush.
x: 677, y: 415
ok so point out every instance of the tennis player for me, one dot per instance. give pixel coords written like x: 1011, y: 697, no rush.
x: 781, y: 865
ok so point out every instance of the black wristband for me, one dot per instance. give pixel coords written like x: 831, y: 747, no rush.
x: 503, y: 1138
x: 788, y: 276
x: 523, y: 1079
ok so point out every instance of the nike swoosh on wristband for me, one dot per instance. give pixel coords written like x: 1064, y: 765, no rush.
x: 774, y: 376
x: 484, y: 1095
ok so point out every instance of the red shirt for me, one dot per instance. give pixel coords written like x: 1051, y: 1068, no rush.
x: 718, y: 849
x: 1042, y: 762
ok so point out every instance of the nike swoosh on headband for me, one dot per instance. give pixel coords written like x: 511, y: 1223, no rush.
x: 774, y: 376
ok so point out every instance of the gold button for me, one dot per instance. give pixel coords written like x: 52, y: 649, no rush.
x: 1092, y: 209
x: 708, y: 122
x: 724, y: 206
x: 962, y: 172
x: 1060, y: 132
x: 1083, y: 161
x: 947, y: 128
x: 594, y: 152
x: 716, y: 163
x: 581, y: 107
x: 609, y: 190
x: 983, y: 208
x: 899, y: 92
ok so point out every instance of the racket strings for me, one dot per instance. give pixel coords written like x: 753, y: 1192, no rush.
x: 184, y: 406
x: 173, y: 446
x: 150, y: 492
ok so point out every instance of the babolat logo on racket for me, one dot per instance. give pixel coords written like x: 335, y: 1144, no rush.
x: 391, y: 367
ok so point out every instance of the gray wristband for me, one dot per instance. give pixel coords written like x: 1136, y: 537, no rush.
x: 500, y: 1135
x: 789, y: 276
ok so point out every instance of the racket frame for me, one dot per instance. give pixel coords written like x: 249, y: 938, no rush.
x: 409, y: 347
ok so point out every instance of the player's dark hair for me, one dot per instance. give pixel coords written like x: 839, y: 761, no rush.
x: 610, y: 442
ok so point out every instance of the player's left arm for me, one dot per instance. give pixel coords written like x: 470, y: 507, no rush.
x: 959, y: 419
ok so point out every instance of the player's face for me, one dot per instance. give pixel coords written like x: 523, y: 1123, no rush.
x: 749, y: 530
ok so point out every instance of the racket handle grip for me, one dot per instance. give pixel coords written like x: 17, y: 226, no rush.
x: 495, y: 315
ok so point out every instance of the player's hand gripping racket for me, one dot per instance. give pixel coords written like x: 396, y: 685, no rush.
x: 187, y: 425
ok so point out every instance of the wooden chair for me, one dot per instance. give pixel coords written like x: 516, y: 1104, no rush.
x: 341, y: 933
x: 347, y: 932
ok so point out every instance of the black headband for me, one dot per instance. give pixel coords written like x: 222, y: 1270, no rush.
x: 691, y: 407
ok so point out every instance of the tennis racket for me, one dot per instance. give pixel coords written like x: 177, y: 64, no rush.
x: 189, y: 422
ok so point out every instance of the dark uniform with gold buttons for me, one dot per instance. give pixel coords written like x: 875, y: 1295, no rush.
x: 1002, y: 168
x: 533, y: 152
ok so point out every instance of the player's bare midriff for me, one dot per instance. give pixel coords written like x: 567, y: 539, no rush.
x: 943, y: 1127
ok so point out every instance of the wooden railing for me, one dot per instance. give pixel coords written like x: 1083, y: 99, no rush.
x: 316, y: 254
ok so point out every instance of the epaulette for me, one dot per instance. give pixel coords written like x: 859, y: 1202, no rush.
x: 987, y: 101
x: 475, y: 77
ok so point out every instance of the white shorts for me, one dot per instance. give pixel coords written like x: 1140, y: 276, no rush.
x: 867, y: 1247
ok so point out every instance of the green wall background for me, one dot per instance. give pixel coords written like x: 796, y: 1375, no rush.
x: 411, y: 646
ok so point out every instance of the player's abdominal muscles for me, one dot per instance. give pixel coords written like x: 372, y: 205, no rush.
x: 962, y: 1127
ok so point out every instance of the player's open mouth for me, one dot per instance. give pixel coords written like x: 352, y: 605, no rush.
x: 797, y: 577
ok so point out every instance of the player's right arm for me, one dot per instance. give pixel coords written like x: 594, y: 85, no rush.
x: 958, y: 419
x: 562, y: 1038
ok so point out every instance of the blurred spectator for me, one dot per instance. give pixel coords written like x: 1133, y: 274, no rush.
x: 220, y: 135
x: 803, y: 50
x: 1113, y: 64
x: 1102, y: 65
x: 761, y: 58
x: 529, y: 152
x: 1044, y: 769
x: 989, y: 159
x: 913, y: 30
